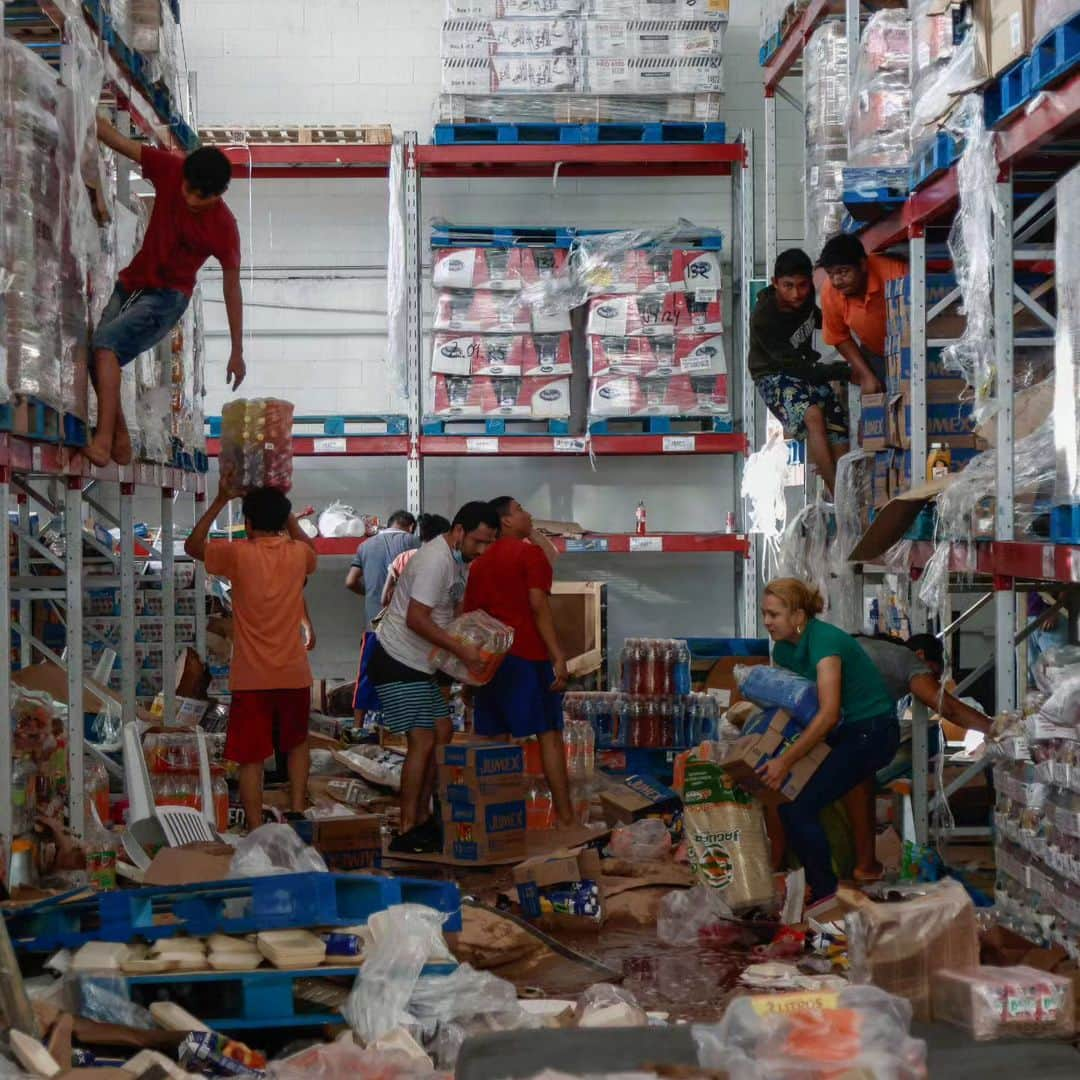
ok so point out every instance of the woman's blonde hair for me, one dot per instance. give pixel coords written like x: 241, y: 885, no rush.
x: 797, y: 595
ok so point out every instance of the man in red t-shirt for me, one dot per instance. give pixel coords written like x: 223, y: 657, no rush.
x: 511, y: 581
x: 188, y: 224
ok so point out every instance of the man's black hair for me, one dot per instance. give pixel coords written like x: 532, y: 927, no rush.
x: 401, y: 519
x: 207, y: 171
x: 929, y: 646
x: 793, y: 263
x: 267, y: 509
x: 502, y: 505
x: 432, y: 525
x: 474, y: 514
x: 843, y: 249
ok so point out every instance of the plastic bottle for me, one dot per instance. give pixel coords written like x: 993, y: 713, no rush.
x: 682, y: 669
x: 626, y: 666
x: 97, y: 787
x: 938, y: 462
x: 624, y: 723
x: 221, y: 803
x: 667, y: 722
x: 23, y: 796
x: 587, y: 738
x: 652, y: 666
x: 638, y: 667
x: 100, y: 853
x: 641, y: 518
x: 710, y: 719
x: 637, y: 721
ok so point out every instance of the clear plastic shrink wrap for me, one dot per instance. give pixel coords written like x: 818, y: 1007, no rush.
x: 880, y: 113
x: 577, y: 108
x: 825, y: 63
x: 1051, y: 13
x: 256, y: 444
x: 590, y: 9
x: 942, y: 68
x: 1066, y: 421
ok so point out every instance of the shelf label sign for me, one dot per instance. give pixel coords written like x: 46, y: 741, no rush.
x: 646, y: 543
x: 569, y: 446
x: 481, y: 446
x: 1074, y: 565
x: 1049, y: 561
x: 679, y: 444
x: 587, y: 544
x: 330, y: 446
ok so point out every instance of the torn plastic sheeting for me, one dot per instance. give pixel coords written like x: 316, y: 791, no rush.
x: 685, y: 913
x: 274, y: 849
x: 879, y: 117
x: 763, y: 490
x: 941, y: 72
x: 1055, y: 666
x: 104, y: 996
x: 344, y: 1060
x: 396, y: 278
x: 803, y: 552
x: 606, y: 1005
x: 643, y: 841
x: 1067, y: 341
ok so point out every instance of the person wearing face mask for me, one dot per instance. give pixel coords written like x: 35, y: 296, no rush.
x: 855, y: 717
x: 413, y: 705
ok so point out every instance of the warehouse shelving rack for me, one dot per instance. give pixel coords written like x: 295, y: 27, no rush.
x: 424, y: 163
x: 1036, y: 145
x: 61, y: 481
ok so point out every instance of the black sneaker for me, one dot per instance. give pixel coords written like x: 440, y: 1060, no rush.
x: 425, y: 839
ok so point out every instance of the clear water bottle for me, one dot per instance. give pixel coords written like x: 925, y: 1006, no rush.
x: 587, y: 739
x: 693, y: 720
x: 682, y: 669
x: 624, y: 722
x: 678, y: 719
x: 23, y: 796
x: 710, y: 719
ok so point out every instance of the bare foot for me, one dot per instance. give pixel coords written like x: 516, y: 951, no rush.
x: 98, y: 453
x: 121, y: 451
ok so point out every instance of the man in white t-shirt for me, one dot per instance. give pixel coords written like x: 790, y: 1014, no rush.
x: 423, y: 605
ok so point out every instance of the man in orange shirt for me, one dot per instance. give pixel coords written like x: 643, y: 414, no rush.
x: 270, y: 677
x: 853, y: 307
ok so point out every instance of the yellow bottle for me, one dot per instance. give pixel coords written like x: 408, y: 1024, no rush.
x: 938, y: 462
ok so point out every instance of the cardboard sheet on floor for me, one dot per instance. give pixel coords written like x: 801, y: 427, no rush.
x: 894, y: 519
x: 540, y: 842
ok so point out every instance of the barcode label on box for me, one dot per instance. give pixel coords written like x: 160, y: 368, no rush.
x: 330, y: 446
x: 646, y: 543
x: 569, y: 446
x: 679, y: 444
x: 481, y: 446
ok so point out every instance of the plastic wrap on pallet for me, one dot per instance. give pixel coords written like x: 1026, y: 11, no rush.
x: 852, y: 497
x: 1067, y: 341
x: 825, y: 63
x: 576, y: 108
x: 595, y: 9
x: 880, y: 113
x: 1051, y: 13
x: 803, y: 552
x: 971, y: 246
x: 966, y: 507
x: 154, y: 400
x: 772, y: 15
x: 938, y: 86
x: 510, y: 397
x: 763, y: 481
x: 397, y: 312
x: 256, y: 444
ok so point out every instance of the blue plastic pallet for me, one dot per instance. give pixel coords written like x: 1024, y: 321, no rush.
x: 233, y: 907
x: 1065, y: 524
x: 769, y: 47
x: 500, y: 236
x: 496, y: 426
x: 1010, y: 92
x: 870, y: 193
x: 1056, y: 55
x: 660, y: 425
x: 933, y: 158
x: 248, y: 1000
x: 648, y: 132
x: 31, y: 419
x: 333, y: 425
x: 707, y: 241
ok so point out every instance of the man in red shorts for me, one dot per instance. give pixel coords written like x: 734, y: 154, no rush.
x: 270, y: 677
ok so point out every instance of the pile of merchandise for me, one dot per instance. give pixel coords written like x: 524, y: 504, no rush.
x: 256, y: 444
x: 574, y: 61
x: 825, y: 63
x: 879, y: 118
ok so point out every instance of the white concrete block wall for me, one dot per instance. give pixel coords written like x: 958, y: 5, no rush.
x: 368, y: 61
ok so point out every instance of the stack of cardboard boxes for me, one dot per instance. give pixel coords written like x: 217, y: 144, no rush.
x: 482, y: 795
x: 887, y: 417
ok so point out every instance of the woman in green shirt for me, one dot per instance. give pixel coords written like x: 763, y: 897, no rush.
x: 856, y: 717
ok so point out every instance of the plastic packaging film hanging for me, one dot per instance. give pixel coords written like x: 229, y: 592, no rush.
x: 1067, y: 342
x: 577, y: 61
x: 825, y: 63
x: 763, y: 489
x: 397, y: 349
x: 880, y: 110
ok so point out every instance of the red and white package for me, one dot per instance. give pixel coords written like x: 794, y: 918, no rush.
x: 655, y: 314
x: 487, y: 312
x: 651, y: 270
x: 496, y: 269
x: 652, y: 357
x: 675, y: 395
x: 501, y: 354
x: 467, y: 396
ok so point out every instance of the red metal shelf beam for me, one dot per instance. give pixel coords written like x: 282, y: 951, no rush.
x: 345, y: 446
x: 791, y: 48
x: 1013, y: 559
x: 337, y: 545
x: 606, y: 159
x: 663, y: 543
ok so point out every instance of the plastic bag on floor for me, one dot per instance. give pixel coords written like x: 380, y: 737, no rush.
x: 104, y: 997
x: 604, y: 1005
x: 274, y: 849
x: 685, y: 913
x: 644, y: 841
x: 344, y: 1060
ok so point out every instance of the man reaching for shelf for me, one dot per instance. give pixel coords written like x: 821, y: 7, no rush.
x: 188, y: 224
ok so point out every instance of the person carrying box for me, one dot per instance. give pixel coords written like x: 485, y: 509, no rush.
x: 787, y: 369
x: 189, y: 223
x: 270, y: 677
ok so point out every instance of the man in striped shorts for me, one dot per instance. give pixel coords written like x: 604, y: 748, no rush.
x: 425, y: 602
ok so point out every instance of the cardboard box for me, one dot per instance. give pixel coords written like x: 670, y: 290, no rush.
x: 951, y: 423
x: 496, y: 269
x: 942, y: 384
x: 752, y: 751
x: 692, y: 270
x: 536, y: 876
x: 513, y: 397
x: 345, y: 843
x: 899, y: 946
x: 501, y: 354
x: 900, y: 469
x: 495, y: 313
x: 190, y: 864
x: 679, y: 395
x: 476, y: 832
x: 946, y: 325
x: 650, y: 357
x: 894, y: 520
x: 879, y: 478
x: 638, y: 797
x: 578, y: 609
x: 1004, y: 31
x: 720, y: 681
x: 482, y: 761
x: 655, y: 315
x: 873, y: 434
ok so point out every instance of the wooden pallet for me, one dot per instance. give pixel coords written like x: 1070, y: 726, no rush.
x: 298, y: 135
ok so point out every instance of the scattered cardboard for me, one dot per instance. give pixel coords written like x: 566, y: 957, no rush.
x: 190, y: 864
x: 345, y: 843
x: 638, y: 797
x: 487, y: 940
x: 541, y: 872
x: 537, y: 842
x: 894, y: 519
x: 48, y: 678
x: 751, y: 751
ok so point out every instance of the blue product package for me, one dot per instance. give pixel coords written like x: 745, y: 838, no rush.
x: 774, y: 687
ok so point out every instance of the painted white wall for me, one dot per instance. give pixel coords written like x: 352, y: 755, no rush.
x: 368, y: 61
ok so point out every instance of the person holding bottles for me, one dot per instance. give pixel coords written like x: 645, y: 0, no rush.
x: 856, y: 717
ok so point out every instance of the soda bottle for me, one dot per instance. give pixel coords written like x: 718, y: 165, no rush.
x: 667, y: 668
x: 639, y: 667
x: 588, y: 752
x: 641, y: 518
x: 651, y: 665
x: 626, y: 670
x: 710, y: 721
x: 682, y: 669
x: 221, y: 803
x: 667, y: 722
x: 623, y: 722
x: 637, y: 721
x: 679, y: 722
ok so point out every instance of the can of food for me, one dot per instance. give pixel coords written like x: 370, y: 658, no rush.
x: 729, y: 522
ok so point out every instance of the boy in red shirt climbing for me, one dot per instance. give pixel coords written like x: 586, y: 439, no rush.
x: 188, y: 224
